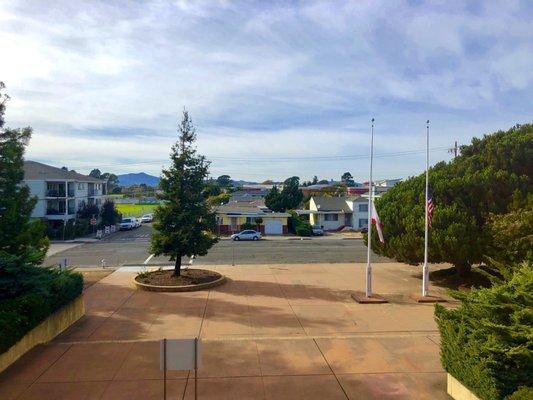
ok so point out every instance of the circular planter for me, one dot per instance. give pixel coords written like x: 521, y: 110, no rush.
x: 182, y: 288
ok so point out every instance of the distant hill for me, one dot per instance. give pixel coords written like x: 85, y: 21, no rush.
x: 137, y: 179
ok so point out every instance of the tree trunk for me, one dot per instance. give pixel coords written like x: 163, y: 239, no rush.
x: 177, y: 266
x: 463, y: 269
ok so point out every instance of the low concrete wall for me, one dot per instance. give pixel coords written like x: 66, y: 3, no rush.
x: 458, y: 391
x: 44, y: 332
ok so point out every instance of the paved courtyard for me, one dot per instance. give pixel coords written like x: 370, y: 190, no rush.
x: 271, y: 332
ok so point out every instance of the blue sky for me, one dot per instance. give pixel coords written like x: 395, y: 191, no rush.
x: 275, y: 88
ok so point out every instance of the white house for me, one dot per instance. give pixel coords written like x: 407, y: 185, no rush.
x: 334, y: 213
x: 61, y: 193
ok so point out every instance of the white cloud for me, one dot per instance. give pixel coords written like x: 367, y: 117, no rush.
x: 261, y: 78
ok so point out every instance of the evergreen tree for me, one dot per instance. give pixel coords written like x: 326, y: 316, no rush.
x: 184, y: 223
x: 347, y: 179
x: 19, y: 235
x: 291, y: 194
x: 485, y: 180
x: 315, y: 180
x: 109, y: 213
x: 95, y: 173
x: 274, y: 201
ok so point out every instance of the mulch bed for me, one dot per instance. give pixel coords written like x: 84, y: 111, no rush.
x: 188, y: 277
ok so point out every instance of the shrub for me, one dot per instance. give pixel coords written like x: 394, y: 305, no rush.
x: 524, y: 393
x: 28, y: 294
x: 298, y: 225
x: 486, y: 343
x: 247, y: 225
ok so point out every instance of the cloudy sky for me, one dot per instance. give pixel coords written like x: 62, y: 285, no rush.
x: 275, y: 88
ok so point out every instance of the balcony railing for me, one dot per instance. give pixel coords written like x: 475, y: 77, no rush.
x: 55, y: 193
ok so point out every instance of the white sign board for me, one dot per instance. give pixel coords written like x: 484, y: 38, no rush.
x: 181, y: 354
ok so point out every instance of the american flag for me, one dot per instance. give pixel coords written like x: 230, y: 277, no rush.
x: 430, y: 207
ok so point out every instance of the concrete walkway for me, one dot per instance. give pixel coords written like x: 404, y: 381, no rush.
x: 271, y: 332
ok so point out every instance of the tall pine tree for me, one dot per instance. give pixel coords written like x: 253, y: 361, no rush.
x: 184, y: 224
x: 19, y: 235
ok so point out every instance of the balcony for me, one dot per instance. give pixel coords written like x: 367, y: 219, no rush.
x: 55, y: 193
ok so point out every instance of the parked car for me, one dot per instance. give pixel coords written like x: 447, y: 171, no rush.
x: 127, y: 224
x: 364, y: 230
x: 317, y: 230
x: 246, y: 235
x: 137, y: 222
x: 147, y: 218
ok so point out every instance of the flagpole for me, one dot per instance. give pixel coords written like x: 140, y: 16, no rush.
x: 425, y: 269
x: 368, y: 287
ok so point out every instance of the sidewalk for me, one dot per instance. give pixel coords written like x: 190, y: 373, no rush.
x: 271, y: 332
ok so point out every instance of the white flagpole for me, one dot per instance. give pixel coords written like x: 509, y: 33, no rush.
x: 368, y: 287
x: 425, y: 269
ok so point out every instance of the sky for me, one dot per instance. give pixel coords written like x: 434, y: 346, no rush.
x: 275, y: 89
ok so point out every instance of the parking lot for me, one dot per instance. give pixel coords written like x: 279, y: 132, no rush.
x: 132, y: 248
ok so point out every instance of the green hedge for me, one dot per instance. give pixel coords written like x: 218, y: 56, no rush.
x: 29, y: 294
x: 487, y: 342
x: 298, y: 225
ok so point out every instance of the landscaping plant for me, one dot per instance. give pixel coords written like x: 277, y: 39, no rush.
x: 490, y: 177
x: 184, y: 224
x: 487, y: 342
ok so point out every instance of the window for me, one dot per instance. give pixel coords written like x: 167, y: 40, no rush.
x: 363, y: 222
x: 363, y: 207
x: 81, y: 186
x: 331, y: 217
x: 249, y: 220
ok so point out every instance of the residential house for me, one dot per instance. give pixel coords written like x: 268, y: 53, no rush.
x: 335, y: 213
x: 61, y: 193
x: 231, y: 216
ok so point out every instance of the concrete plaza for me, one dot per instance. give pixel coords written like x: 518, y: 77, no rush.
x: 271, y: 332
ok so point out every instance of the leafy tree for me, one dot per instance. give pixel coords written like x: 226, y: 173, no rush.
x: 184, y: 223
x: 95, y: 173
x: 323, y: 182
x: 109, y: 213
x: 273, y: 200
x: 315, y: 180
x: 19, y: 235
x: 219, y: 199
x: 212, y: 188
x: 224, y: 180
x: 484, y: 180
x: 87, y: 211
x: 512, y: 235
x: 347, y: 179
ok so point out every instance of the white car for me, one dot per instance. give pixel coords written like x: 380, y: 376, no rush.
x: 128, y: 224
x: 246, y: 235
x: 147, y: 218
x: 137, y: 222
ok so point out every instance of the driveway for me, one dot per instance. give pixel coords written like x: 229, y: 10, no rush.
x: 272, y: 331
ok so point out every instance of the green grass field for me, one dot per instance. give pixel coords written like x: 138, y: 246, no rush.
x: 135, y: 210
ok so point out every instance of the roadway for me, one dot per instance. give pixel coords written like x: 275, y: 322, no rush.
x: 132, y: 248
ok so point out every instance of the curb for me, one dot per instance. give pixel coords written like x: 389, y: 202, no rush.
x: 188, y: 288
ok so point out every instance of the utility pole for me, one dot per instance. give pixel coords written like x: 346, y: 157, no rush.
x: 454, y: 150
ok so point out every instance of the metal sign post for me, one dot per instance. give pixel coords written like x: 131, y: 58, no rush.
x: 178, y: 355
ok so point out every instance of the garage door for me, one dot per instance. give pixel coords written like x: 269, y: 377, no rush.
x: 273, y: 227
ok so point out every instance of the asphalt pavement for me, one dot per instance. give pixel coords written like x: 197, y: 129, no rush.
x: 132, y: 248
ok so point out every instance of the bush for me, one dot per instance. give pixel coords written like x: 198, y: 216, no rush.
x: 524, y: 393
x: 247, y: 225
x: 486, y: 343
x: 298, y: 225
x: 29, y: 294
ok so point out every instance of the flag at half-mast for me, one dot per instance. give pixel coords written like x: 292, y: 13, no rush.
x: 376, y: 221
x: 430, y: 207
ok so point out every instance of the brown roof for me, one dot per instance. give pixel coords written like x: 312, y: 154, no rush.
x: 34, y: 170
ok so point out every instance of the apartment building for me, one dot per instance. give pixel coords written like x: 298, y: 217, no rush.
x: 61, y: 193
